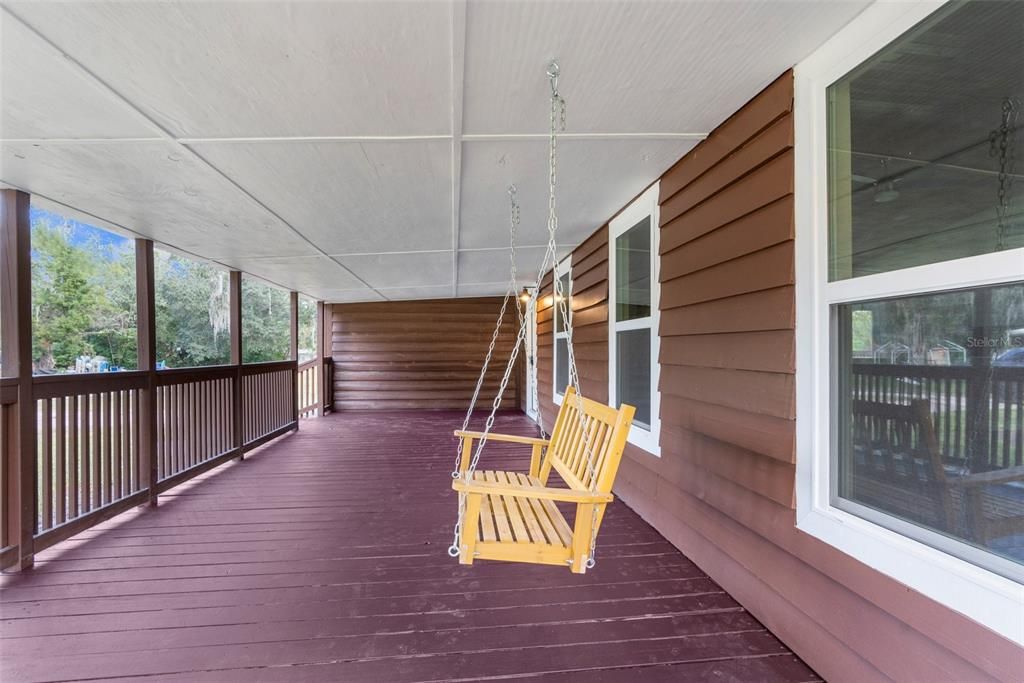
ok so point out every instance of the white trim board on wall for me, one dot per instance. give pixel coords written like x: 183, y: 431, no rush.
x: 644, y: 206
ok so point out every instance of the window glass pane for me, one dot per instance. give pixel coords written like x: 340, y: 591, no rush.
x: 567, y: 293
x: 633, y: 372
x: 83, y: 297
x: 633, y: 272
x: 307, y: 329
x: 929, y: 400
x: 922, y: 142
x: 193, y: 312
x: 265, y: 314
x: 561, y: 365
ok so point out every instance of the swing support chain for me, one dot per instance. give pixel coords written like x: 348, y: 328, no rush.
x: 557, y: 122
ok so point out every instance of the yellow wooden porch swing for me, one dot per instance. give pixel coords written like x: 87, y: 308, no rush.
x: 513, y: 516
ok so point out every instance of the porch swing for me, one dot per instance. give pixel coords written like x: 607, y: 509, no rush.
x: 513, y: 516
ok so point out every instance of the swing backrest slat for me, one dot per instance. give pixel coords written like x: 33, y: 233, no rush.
x: 586, y: 452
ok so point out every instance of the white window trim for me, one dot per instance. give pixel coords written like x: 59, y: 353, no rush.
x: 643, y: 206
x: 984, y: 596
x: 564, y: 266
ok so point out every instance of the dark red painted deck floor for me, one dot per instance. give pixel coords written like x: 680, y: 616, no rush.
x: 322, y: 558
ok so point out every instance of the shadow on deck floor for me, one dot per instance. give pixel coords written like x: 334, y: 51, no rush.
x: 323, y: 557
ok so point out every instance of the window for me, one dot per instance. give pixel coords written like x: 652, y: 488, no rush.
x: 563, y: 271
x: 633, y: 320
x: 83, y: 297
x: 910, y: 296
x: 266, y: 314
x: 193, y: 312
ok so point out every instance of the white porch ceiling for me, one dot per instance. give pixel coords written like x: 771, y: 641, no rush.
x: 360, y: 151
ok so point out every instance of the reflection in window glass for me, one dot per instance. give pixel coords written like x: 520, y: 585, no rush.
x: 633, y: 272
x: 930, y: 414
x: 307, y: 329
x: 266, y: 311
x: 923, y: 138
x: 83, y: 297
x: 567, y: 293
x: 193, y: 312
x: 633, y: 372
x: 561, y: 365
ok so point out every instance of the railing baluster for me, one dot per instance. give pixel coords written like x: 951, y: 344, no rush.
x: 60, y: 512
x: 46, y: 459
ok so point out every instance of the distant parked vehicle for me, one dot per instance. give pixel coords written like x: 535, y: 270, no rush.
x: 1013, y: 358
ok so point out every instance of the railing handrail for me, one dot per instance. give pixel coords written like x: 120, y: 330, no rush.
x: 169, y: 376
x: 53, y: 386
x: 305, y: 365
x: 1000, y: 372
x: 267, y: 366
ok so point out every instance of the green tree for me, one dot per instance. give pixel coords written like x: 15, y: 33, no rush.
x: 63, y: 294
x: 265, y: 315
x: 192, y: 312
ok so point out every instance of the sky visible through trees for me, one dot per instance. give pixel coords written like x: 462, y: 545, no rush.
x: 83, y: 305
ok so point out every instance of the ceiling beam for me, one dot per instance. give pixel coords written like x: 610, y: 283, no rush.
x: 458, y: 91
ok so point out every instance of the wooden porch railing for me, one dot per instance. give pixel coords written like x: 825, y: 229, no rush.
x: 8, y: 415
x: 978, y: 414
x: 78, y: 449
x: 194, y: 421
x: 87, y: 451
x: 309, y: 387
x: 268, y: 397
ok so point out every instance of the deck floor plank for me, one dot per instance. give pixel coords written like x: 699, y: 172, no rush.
x: 322, y: 558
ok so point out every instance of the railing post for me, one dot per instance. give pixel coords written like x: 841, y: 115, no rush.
x: 293, y: 351
x: 321, y: 372
x: 235, y: 295
x: 145, y: 294
x: 16, y: 308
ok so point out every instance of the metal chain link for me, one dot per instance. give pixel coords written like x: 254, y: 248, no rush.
x: 1002, y: 143
x: 510, y: 292
x: 558, y: 116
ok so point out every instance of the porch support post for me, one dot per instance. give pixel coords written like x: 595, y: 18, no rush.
x: 321, y: 371
x: 16, y: 309
x: 293, y: 351
x: 235, y: 296
x: 145, y: 296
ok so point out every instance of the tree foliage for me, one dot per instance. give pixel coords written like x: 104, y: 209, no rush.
x: 84, y: 304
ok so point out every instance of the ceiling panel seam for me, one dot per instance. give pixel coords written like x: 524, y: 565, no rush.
x: 458, y: 70
x: 168, y: 136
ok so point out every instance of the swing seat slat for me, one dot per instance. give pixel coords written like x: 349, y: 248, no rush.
x: 512, y: 516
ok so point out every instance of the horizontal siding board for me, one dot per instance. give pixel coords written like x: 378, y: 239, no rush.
x: 766, y: 393
x: 418, y: 354
x: 767, y: 434
x: 771, y: 309
x: 768, y: 183
x: 765, y: 269
x: 763, y: 228
x: 769, y: 143
x: 771, y: 351
x: 774, y: 101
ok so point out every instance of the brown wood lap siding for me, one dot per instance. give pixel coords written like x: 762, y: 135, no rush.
x: 418, y: 355
x: 723, y: 489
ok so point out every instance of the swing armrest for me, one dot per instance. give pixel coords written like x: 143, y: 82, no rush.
x: 536, y: 492
x: 511, y: 438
